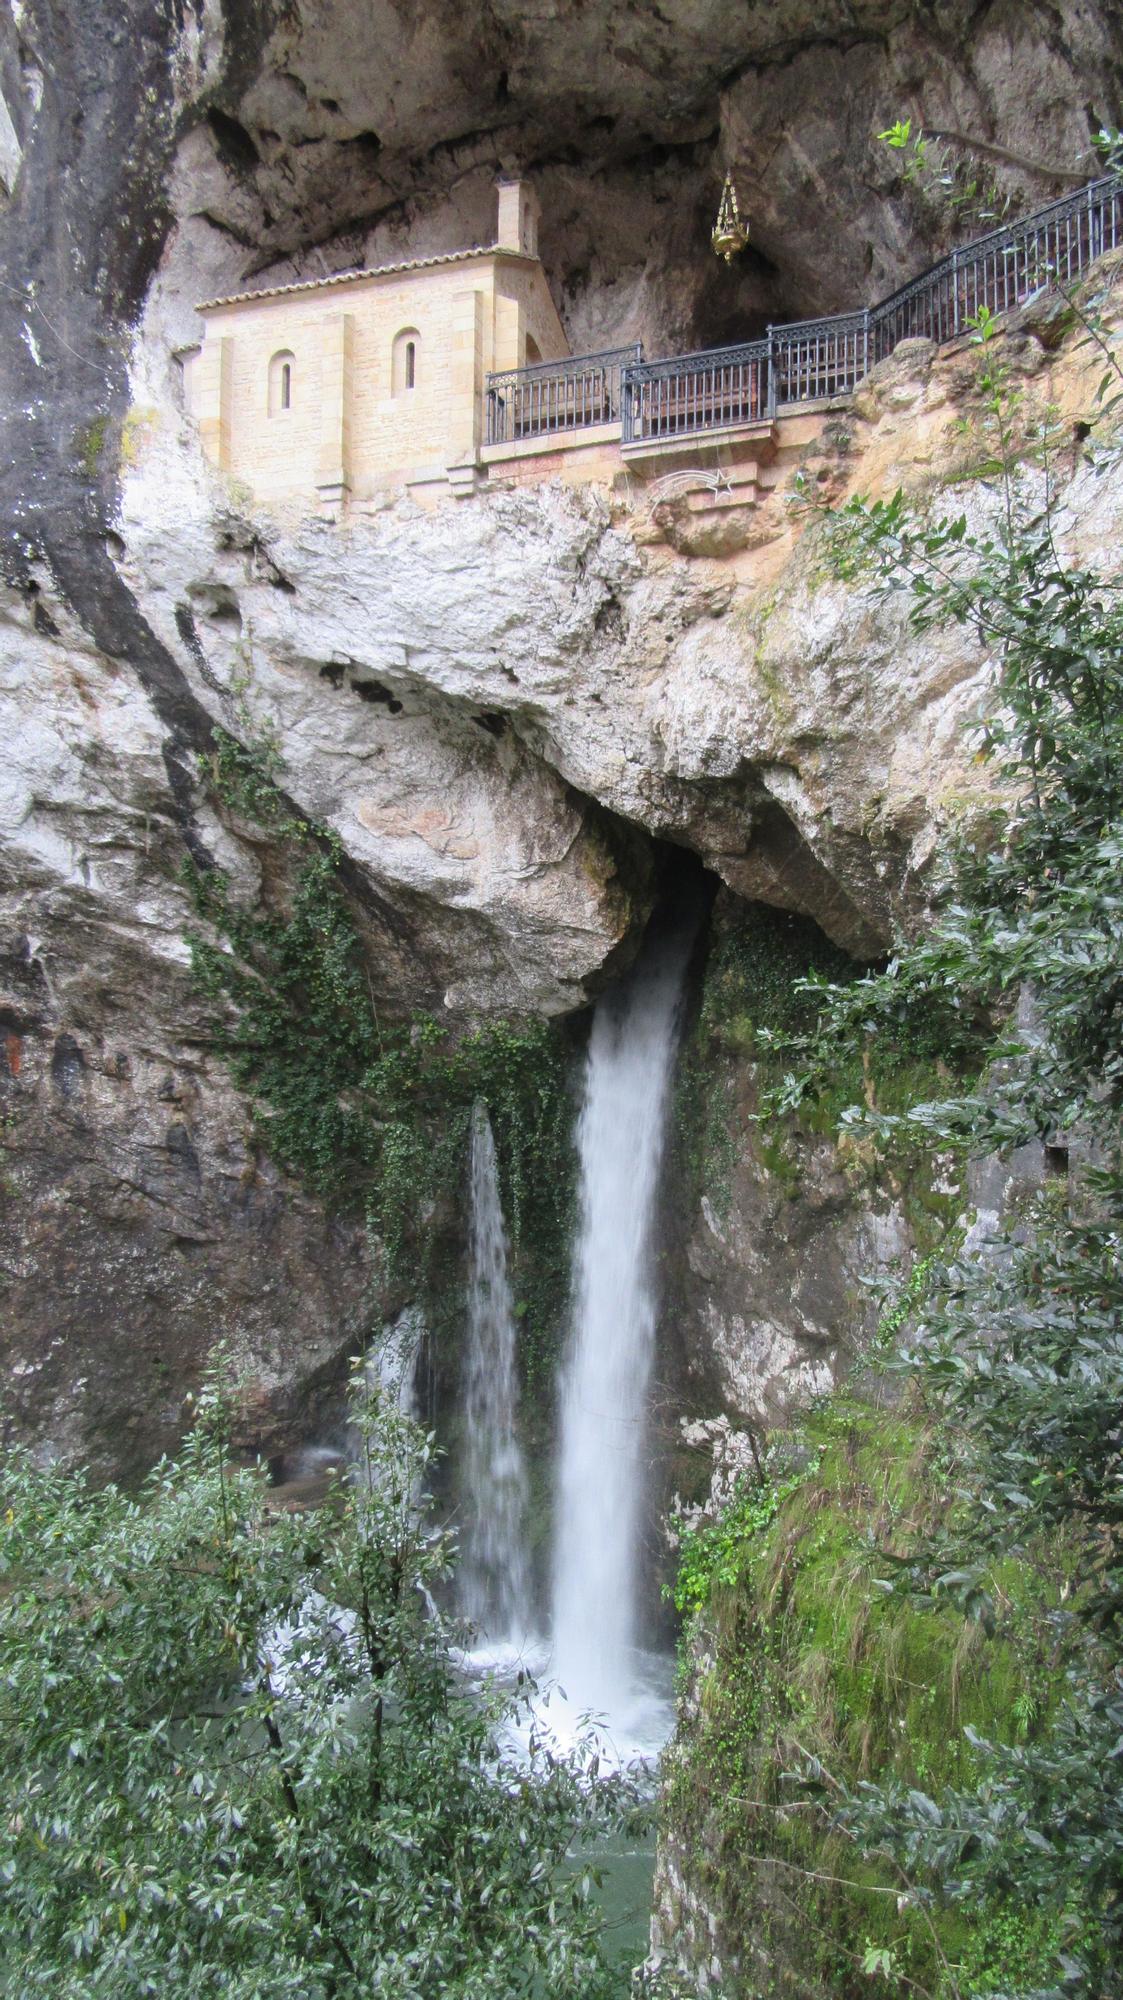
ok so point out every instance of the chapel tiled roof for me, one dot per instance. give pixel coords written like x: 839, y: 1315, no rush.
x: 353, y: 277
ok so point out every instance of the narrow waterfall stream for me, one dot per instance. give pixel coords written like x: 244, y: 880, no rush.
x: 494, y: 1571
x: 603, y: 1448
x: 393, y: 1360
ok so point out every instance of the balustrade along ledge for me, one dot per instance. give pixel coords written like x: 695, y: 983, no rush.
x: 813, y: 360
x: 557, y: 395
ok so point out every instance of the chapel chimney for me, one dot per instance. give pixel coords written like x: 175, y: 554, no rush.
x: 518, y: 218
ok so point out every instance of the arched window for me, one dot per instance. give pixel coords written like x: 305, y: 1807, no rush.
x: 282, y: 375
x: 406, y: 355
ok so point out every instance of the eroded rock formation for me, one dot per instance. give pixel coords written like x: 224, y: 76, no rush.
x: 497, y: 705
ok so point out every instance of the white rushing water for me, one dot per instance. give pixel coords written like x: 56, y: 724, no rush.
x: 494, y: 1570
x: 603, y: 1456
x: 392, y: 1361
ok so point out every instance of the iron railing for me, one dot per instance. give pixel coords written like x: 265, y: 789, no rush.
x: 1004, y: 268
x: 557, y: 395
x: 815, y: 359
x: 808, y: 360
x: 713, y: 390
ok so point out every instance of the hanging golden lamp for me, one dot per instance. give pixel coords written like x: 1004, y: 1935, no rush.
x: 729, y: 234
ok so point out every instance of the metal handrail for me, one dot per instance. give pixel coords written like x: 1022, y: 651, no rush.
x: 816, y: 359
x: 1003, y: 268
x: 549, y: 396
x: 716, y: 388
x: 1054, y: 211
x: 652, y: 370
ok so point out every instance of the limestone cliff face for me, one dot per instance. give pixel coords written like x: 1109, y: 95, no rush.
x: 377, y: 130
x: 500, y: 705
x: 139, y: 1220
x: 491, y: 702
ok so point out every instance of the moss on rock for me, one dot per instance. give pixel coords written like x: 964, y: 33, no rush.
x: 798, y: 1655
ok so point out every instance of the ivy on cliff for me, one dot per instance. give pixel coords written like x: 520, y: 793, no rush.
x: 372, y: 1113
x: 802, y: 1659
x: 767, y: 975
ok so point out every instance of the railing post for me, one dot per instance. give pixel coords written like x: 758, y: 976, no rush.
x: 771, y: 404
x: 954, y: 293
x: 865, y: 340
x: 626, y: 412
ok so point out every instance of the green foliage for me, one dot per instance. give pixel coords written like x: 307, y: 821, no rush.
x: 765, y: 981
x: 237, y: 1759
x: 1020, y: 1350
x: 802, y: 1649
x: 89, y: 444
x: 374, y: 1114
x: 1009, y: 1947
x: 752, y: 985
x: 896, y: 1316
x: 245, y: 776
x: 899, y: 136
x: 757, y: 974
x: 713, y: 1554
x: 879, y: 1960
x: 960, y: 185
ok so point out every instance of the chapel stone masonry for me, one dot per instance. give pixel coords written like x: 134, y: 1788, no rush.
x: 341, y: 386
x: 444, y: 373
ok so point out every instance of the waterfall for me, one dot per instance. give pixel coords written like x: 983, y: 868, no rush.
x: 494, y: 1573
x: 602, y: 1462
x: 392, y: 1363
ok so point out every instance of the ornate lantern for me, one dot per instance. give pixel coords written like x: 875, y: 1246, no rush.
x: 729, y: 233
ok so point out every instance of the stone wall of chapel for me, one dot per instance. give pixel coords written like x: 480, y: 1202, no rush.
x: 422, y: 427
x: 278, y: 455
x: 273, y: 451
x: 525, y: 285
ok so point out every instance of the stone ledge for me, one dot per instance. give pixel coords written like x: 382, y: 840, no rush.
x: 702, y: 448
x: 547, y: 443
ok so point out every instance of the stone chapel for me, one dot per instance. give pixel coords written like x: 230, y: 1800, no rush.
x: 330, y: 389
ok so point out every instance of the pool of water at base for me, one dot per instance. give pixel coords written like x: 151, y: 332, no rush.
x: 626, y: 1866
x: 631, y: 1740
